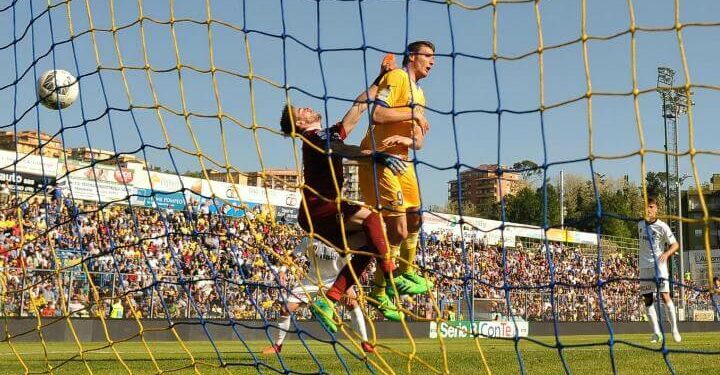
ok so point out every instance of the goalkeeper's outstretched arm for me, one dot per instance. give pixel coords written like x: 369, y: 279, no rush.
x: 354, y: 114
x: 360, y: 105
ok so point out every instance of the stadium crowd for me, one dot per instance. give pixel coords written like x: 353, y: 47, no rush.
x: 117, y: 261
x: 576, y: 296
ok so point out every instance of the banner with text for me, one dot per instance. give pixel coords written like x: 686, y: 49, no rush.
x: 464, y: 328
x: 32, y: 164
x: 233, y: 199
x: 26, y: 182
x: 473, y: 228
x: 699, y: 265
x: 166, y: 182
x: 156, y: 199
x: 99, y: 182
x: 164, y: 190
x: 251, y: 194
x: 489, y: 232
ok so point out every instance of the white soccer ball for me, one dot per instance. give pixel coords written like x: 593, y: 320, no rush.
x: 57, y: 89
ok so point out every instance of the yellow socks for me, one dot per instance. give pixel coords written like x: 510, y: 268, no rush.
x: 408, y: 250
x: 380, y: 282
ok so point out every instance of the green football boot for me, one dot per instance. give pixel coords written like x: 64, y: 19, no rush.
x: 323, y: 309
x: 405, y: 286
x: 385, y: 305
x: 417, y: 279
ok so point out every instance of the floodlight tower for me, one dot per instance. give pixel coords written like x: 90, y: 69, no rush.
x: 665, y: 81
x: 675, y: 102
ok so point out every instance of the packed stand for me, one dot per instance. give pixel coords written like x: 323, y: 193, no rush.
x: 150, y: 259
x: 182, y: 264
x: 527, y: 274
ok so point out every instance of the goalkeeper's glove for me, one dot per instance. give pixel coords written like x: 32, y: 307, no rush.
x: 396, y: 165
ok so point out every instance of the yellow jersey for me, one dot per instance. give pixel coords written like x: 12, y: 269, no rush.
x: 396, y: 90
x: 117, y: 311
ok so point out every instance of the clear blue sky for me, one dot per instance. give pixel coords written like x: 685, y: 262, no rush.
x: 465, y: 84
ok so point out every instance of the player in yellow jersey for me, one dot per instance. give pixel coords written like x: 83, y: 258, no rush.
x: 398, y: 124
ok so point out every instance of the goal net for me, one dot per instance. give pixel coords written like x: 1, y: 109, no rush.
x: 151, y: 225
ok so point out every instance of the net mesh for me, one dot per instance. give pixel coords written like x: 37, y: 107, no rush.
x: 185, y: 97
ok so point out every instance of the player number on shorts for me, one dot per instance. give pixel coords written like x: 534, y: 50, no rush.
x: 399, y: 201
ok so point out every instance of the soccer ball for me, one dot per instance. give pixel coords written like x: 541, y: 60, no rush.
x: 57, y: 89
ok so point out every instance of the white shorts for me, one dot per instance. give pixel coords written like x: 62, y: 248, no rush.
x: 649, y: 285
x: 301, y: 294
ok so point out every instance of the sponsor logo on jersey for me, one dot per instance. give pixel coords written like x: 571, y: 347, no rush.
x: 383, y: 94
x: 325, y: 252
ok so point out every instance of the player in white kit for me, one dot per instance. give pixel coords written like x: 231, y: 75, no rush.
x: 657, y: 245
x: 325, y: 264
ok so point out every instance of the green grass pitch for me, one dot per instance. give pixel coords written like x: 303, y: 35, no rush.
x: 462, y: 357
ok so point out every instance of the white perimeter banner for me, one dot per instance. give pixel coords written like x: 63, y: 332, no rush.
x: 31, y: 164
x: 232, y: 193
x: 473, y: 229
x: 89, y: 190
x: 251, y: 194
x: 99, y: 182
x: 488, y: 231
x: 166, y: 182
x: 699, y: 266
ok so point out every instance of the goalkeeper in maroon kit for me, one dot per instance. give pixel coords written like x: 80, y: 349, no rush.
x: 323, y: 151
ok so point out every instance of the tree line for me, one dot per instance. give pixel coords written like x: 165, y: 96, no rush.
x: 613, y: 204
